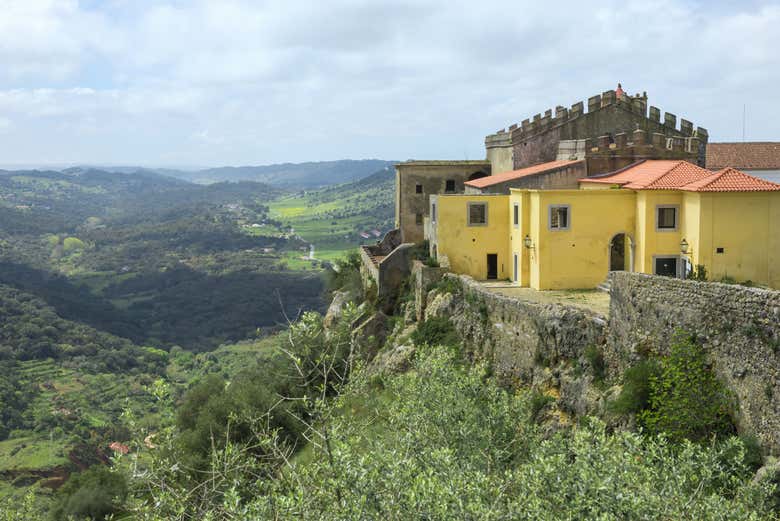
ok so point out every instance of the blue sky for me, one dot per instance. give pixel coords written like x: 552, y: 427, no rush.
x: 233, y: 82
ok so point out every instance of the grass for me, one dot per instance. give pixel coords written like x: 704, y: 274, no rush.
x: 332, y: 218
x: 30, y: 453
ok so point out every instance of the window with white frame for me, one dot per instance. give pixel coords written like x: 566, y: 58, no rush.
x: 559, y: 217
x: 477, y: 214
x: 433, y: 212
x: 516, y: 215
x: 666, y: 217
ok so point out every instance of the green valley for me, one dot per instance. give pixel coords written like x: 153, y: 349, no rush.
x: 114, y: 283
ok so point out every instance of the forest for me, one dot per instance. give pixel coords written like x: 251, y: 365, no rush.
x: 111, y: 282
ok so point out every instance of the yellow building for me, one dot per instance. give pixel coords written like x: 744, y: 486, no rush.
x: 655, y: 217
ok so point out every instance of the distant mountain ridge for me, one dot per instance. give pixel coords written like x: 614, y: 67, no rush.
x: 306, y: 175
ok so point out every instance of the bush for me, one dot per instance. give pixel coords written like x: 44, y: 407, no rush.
x: 447, y: 285
x: 436, y: 331
x: 699, y: 273
x: 686, y: 401
x: 346, y: 276
x: 93, y: 494
x: 537, y: 402
x: 421, y: 251
x: 447, y: 442
x: 635, y: 394
x: 595, y: 358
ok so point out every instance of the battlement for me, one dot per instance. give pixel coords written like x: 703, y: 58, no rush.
x: 636, y: 104
x: 639, y: 143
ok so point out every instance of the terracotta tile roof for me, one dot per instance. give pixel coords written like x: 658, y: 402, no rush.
x: 517, y: 174
x: 682, y: 175
x: 747, y: 156
x: 731, y: 180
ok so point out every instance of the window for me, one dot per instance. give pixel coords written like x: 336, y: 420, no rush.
x: 559, y: 217
x: 516, y: 215
x: 665, y: 266
x: 433, y: 212
x: 449, y: 185
x: 477, y: 214
x: 666, y: 217
x: 418, y: 189
x: 418, y: 218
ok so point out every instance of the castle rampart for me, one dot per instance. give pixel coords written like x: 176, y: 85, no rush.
x: 535, y: 140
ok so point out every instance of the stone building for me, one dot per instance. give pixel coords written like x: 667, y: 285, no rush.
x: 616, y: 131
x: 416, y: 180
x: 611, y: 116
x: 547, y: 151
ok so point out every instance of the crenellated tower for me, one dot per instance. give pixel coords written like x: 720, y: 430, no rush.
x: 606, y: 131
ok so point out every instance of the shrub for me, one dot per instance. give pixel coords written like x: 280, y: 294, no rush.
x: 447, y: 285
x: 436, y: 331
x: 93, y: 494
x: 346, y: 276
x: 752, y: 457
x: 699, y: 273
x: 537, y: 402
x: 686, y: 401
x: 420, y: 251
x: 635, y: 394
x: 595, y: 358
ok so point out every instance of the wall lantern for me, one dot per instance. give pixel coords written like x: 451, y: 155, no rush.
x: 684, y: 246
x: 527, y: 242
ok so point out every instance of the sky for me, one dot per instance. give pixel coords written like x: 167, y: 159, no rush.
x: 239, y: 82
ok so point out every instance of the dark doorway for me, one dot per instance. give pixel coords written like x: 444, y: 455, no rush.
x: 666, y: 266
x: 477, y: 175
x: 492, y: 265
x: 617, y: 253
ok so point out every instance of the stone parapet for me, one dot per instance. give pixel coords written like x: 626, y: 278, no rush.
x: 738, y: 326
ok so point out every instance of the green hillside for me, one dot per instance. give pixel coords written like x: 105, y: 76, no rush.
x: 333, y: 218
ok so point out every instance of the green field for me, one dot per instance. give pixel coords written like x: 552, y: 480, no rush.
x: 333, y: 218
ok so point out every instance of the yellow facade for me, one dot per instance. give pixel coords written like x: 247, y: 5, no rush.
x: 467, y: 247
x: 732, y: 234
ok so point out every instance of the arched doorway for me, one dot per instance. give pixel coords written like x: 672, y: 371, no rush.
x: 621, y: 253
x: 477, y: 175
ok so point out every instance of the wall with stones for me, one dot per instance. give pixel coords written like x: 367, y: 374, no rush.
x: 515, y: 335
x: 543, y: 345
x: 432, y: 177
x: 738, y: 326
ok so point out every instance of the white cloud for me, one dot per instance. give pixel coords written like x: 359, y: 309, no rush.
x: 260, y: 81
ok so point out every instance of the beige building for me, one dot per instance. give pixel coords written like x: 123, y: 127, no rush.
x: 415, y: 181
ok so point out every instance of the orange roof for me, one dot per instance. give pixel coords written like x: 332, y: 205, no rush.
x: 517, y: 174
x: 682, y: 175
x: 749, y: 156
x: 731, y: 180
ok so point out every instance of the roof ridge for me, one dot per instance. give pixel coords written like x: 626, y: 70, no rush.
x: 661, y: 175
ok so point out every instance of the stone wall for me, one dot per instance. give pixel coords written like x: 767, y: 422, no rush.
x: 738, y: 326
x: 536, y: 139
x: 411, y: 205
x: 424, y: 276
x: 513, y: 334
x: 544, y: 345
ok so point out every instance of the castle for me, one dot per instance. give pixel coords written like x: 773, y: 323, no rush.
x: 563, y: 198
